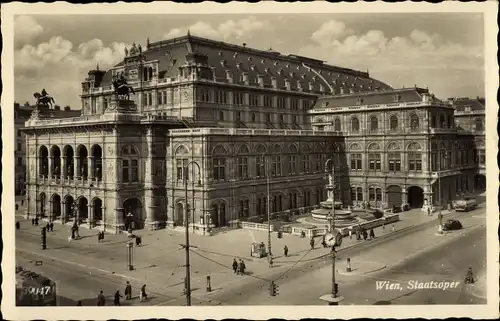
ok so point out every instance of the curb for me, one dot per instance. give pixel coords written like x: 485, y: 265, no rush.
x: 383, y: 266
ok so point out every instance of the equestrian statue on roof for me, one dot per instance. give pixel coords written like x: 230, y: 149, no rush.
x: 122, y: 89
x: 43, y: 99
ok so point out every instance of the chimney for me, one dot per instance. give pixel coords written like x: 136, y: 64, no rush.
x: 311, y: 86
x: 245, y: 77
x: 300, y: 86
x: 57, y: 107
x: 260, y: 79
x: 229, y: 76
x: 67, y: 108
x: 274, y: 82
x: 288, y: 84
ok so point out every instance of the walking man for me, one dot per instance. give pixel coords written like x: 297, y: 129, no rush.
x: 101, y: 300
x: 285, y: 251
x: 128, y: 291
x: 33, y: 221
x: 143, y: 295
x: 271, y: 262
x: 372, y: 234
x: 117, y: 298
x: 235, y: 266
x: 311, y: 242
x: 350, y: 234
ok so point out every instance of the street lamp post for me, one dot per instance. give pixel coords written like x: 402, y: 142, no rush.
x: 129, y: 222
x: 440, y: 215
x: 268, y: 189
x: 186, y: 224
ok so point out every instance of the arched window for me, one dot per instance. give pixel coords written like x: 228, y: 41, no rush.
x: 130, y: 164
x: 292, y: 160
x: 414, y: 122
x: 181, y: 161
x: 276, y: 161
x: 354, y: 124
x: 442, y: 121
x: 219, y: 163
x: 305, y: 152
x: 260, y: 161
x: 479, y: 125
x: 337, y: 126
x: 373, y: 123
x: 414, y: 157
x: 243, y: 162
x: 393, y: 122
x: 244, y: 208
x: 261, y: 205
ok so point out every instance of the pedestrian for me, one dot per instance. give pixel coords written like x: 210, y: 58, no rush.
x: 393, y: 228
x: 428, y: 211
x: 235, y: 266
x: 128, y: 291
x: 241, y: 267
x: 271, y: 262
x: 47, y: 227
x: 99, y: 240
x: 18, y: 225
x: 372, y: 233
x: 36, y: 220
x: 33, y: 221
x: 101, y: 300
x: 311, y: 242
x: 285, y: 251
x: 76, y: 230
x: 51, y: 226
x: 117, y: 298
x: 79, y: 303
x: 350, y: 234
x: 365, y: 235
x: 143, y: 295
x: 73, y: 233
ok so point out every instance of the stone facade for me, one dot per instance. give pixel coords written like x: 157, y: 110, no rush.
x: 243, y: 121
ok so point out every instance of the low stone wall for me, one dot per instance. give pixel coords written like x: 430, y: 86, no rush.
x: 256, y: 226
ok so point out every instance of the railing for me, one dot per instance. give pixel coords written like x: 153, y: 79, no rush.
x: 256, y: 226
x: 256, y: 132
x: 377, y: 106
x: 470, y: 112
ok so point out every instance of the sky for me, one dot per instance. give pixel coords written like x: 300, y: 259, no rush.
x: 441, y: 51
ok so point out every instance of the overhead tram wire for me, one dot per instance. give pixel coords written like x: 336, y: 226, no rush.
x: 293, y: 265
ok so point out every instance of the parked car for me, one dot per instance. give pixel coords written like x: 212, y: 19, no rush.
x: 451, y: 225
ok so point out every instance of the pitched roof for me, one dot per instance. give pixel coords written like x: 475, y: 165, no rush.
x: 223, y: 57
x: 388, y: 96
x: 477, y: 103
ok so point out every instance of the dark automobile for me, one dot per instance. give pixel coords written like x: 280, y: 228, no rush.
x: 396, y: 209
x: 451, y: 225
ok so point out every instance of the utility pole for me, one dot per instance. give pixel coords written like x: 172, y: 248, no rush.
x: 269, y: 257
x: 186, y: 223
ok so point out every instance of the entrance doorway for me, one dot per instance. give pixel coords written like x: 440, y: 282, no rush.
x: 394, y: 197
x: 415, y: 197
x: 480, y: 183
x: 134, y: 207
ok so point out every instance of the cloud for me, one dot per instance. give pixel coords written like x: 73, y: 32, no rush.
x: 230, y: 29
x: 400, y: 60
x: 60, y: 67
x: 26, y: 28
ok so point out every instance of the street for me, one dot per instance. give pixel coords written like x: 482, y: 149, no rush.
x: 82, y: 269
x: 448, y: 261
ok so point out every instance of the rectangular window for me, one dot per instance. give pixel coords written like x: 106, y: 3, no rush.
x: 158, y: 170
x: 160, y: 98
x: 125, y: 170
x: 221, y: 115
x: 205, y: 95
x: 268, y: 101
x: 19, y: 146
x: 294, y: 103
x: 253, y: 100
x: 415, y: 162
x: 134, y: 173
x: 276, y: 168
x: 292, y: 161
x: 238, y: 98
x: 305, y: 163
x: 268, y: 118
x: 371, y: 194
x: 482, y: 159
x: 19, y: 161
x: 374, y: 162
x: 394, y: 162
x: 356, y: 162
x: 260, y: 166
x: 353, y: 194
x: 181, y: 165
x: 221, y: 97
x: 219, y: 169
x: 242, y: 167
x: 318, y: 162
x: 281, y: 102
x: 244, y: 208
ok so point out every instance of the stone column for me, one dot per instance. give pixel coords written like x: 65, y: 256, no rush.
x: 90, y: 167
x: 90, y: 215
x: 64, y: 214
x: 119, y: 223
x: 50, y: 167
x: 404, y: 195
x: 76, y: 168
x: 63, y: 168
x: 149, y: 203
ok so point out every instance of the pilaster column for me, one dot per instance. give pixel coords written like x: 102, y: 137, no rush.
x: 404, y: 195
x: 64, y: 214
x: 90, y: 215
x: 151, y: 208
x: 90, y: 167
x: 63, y: 168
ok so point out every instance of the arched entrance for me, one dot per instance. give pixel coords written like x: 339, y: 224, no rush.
x: 394, y: 197
x: 415, y: 197
x: 82, y: 155
x: 55, y: 153
x: 179, y: 214
x: 69, y: 207
x: 97, y: 210
x: 44, y: 161
x: 83, y: 210
x: 68, y: 170
x: 219, y: 214
x: 133, y: 206
x: 96, y: 152
x: 42, y: 199
x: 480, y: 183
x: 56, y: 207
